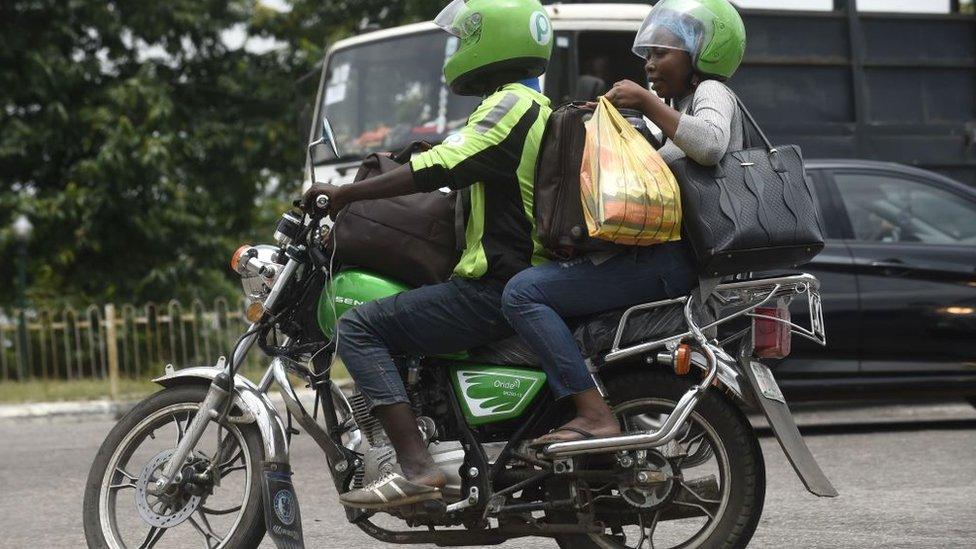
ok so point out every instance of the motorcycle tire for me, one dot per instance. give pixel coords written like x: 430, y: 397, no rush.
x: 249, y: 530
x: 738, y: 522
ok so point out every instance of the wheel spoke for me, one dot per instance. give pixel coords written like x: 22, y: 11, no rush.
x: 698, y: 441
x: 180, y: 429
x: 227, y: 463
x: 650, y: 534
x: 697, y: 438
x: 128, y: 480
x: 152, y: 537
x: 203, y: 526
x: 228, y: 446
x: 702, y: 508
x: 210, y: 511
x: 698, y: 496
x: 228, y: 470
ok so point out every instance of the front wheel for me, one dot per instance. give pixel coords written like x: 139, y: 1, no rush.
x: 717, y: 485
x: 216, y: 504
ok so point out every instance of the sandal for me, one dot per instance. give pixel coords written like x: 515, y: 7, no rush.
x: 584, y: 434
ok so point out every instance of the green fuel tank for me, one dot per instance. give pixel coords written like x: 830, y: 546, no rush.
x: 350, y: 288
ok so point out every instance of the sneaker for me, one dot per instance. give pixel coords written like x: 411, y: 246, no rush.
x: 391, y: 490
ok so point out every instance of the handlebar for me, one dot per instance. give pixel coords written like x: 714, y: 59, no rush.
x: 322, y: 202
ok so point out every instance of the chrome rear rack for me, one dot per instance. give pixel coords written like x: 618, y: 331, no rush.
x: 747, y: 295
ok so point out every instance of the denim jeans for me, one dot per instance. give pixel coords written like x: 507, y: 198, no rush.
x: 438, y: 319
x: 536, y: 300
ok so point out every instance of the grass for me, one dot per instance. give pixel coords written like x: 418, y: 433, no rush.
x: 16, y: 392
x: 35, y: 390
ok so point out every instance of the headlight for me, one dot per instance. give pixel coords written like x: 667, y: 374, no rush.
x: 258, y: 270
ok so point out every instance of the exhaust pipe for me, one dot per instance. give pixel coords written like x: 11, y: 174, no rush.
x: 667, y: 432
x: 633, y: 441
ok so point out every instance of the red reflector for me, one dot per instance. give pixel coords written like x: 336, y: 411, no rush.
x: 770, y: 338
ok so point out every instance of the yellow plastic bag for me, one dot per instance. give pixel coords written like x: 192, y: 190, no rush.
x: 629, y: 194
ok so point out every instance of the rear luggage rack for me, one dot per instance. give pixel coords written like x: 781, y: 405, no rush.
x: 746, y: 296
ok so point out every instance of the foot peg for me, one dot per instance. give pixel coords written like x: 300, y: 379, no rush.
x: 433, y: 507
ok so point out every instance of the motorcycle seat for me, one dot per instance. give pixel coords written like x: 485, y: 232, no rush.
x: 594, y: 334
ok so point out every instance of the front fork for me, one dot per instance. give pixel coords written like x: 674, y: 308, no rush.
x: 209, y: 409
x: 218, y: 393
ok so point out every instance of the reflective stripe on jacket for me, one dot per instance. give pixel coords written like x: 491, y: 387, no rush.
x: 495, y: 154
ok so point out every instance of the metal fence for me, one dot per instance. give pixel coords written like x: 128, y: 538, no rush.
x: 109, y: 341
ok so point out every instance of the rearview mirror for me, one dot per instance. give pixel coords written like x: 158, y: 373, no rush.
x: 328, y: 137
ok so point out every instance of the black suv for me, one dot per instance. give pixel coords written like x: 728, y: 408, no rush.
x: 898, y: 278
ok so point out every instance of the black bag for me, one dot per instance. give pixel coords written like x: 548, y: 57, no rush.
x: 557, y: 206
x: 410, y: 238
x: 754, y: 211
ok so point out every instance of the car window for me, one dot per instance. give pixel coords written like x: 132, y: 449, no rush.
x: 889, y: 208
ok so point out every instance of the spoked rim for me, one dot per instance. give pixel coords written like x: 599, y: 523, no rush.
x: 698, y: 439
x: 122, y: 479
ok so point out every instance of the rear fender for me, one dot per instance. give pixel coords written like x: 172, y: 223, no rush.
x: 257, y: 407
x: 770, y: 400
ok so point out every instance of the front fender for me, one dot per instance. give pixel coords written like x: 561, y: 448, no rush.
x: 248, y: 398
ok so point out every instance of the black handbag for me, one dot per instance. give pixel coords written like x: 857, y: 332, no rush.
x: 410, y: 238
x: 754, y: 211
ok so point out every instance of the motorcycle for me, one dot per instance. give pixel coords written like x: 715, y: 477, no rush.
x: 208, y: 455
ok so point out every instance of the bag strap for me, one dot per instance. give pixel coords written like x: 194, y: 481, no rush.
x: 462, y: 208
x: 403, y: 155
x: 748, y: 116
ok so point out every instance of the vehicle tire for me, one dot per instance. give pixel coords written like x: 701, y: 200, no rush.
x: 737, y: 522
x: 101, y: 531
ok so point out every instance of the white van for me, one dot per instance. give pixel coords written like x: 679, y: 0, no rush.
x: 384, y: 89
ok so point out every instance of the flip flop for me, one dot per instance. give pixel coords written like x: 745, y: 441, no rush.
x: 584, y: 434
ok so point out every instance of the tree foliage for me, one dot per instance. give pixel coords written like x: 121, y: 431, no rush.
x: 143, y: 147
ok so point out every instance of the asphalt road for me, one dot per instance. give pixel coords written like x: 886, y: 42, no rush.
x: 906, y: 476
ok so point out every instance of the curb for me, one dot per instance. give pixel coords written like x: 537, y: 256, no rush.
x: 54, y: 409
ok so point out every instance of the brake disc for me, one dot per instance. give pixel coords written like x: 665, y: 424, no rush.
x: 168, y: 515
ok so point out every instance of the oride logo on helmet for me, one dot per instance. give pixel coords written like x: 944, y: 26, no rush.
x: 540, y: 28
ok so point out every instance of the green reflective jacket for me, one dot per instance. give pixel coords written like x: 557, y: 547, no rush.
x: 495, y: 154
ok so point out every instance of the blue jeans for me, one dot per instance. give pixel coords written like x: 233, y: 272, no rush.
x: 442, y: 318
x: 536, y: 300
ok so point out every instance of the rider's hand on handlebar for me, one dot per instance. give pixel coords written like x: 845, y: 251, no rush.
x: 332, y: 192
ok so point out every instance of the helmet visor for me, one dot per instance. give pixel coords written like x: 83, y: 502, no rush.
x: 674, y: 24
x: 447, y: 19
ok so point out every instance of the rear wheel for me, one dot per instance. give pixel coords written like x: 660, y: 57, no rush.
x: 716, y: 487
x: 220, y: 506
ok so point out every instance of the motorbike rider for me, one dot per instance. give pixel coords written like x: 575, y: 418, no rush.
x: 500, y: 44
x: 689, y: 48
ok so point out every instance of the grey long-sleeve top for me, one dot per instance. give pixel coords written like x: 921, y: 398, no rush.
x: 709, y: 127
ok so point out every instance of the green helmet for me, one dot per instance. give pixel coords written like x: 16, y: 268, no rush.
x: 711, y: 31
x: 507, y: 39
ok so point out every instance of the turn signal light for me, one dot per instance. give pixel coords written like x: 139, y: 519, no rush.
x: 771, y: 337
x: 254, y: 311
x: 682, y: 359
x: 235, y: 260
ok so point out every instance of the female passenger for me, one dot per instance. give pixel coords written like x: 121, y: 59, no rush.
x: 689, y: 48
